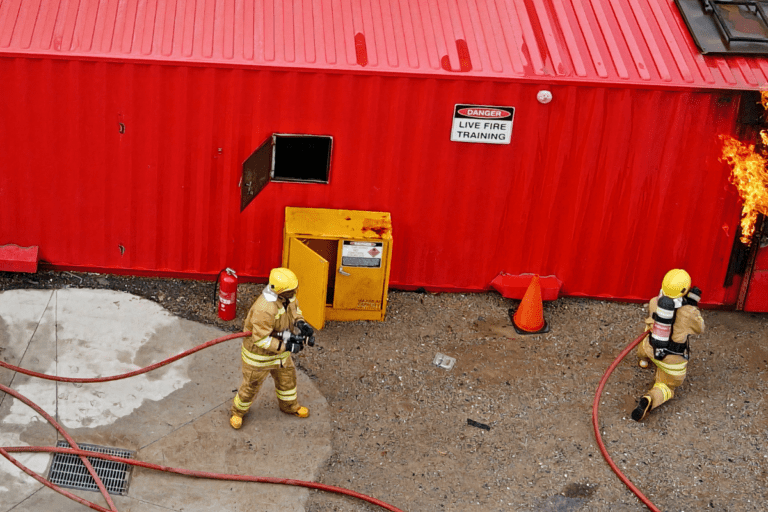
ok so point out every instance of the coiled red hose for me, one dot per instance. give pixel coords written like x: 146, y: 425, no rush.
x: 595, y: 409
x: 6, y: 451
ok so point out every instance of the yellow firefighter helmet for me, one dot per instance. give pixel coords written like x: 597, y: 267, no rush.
x: 676, y: 283
x: 282, y: 280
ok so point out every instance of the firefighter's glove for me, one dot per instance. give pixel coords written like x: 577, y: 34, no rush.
x: 693, y: 297
x: 304, y: 328
x: 306, y: 331
x: 294, y: 344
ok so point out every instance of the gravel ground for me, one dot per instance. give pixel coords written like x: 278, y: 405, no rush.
x: 402, y: 429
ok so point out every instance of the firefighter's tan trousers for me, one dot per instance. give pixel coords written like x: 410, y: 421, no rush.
x: 670, y: 373
x: 253, y: 378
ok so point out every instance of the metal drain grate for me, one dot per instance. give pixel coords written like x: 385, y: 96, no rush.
x: 69, y: 471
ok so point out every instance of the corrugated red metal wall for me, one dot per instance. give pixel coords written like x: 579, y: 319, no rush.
x: 606, y: 188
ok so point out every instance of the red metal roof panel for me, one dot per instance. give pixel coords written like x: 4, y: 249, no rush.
x: 633, y: 42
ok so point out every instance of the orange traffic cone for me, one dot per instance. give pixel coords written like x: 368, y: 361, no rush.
x: 529, y: 318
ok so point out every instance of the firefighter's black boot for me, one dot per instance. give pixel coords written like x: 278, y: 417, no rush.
x: 643, y: 406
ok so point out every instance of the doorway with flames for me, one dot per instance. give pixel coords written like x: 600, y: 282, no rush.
x: 750, y: 260
x: 748, y: 159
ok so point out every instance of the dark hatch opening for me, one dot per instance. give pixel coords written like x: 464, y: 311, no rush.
x: 302, y: 158
x: 287, y: 158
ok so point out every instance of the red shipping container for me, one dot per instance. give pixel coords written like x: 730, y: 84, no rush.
x: 125, y: 126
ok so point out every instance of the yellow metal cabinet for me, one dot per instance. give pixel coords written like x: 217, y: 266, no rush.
x: 342, y: 259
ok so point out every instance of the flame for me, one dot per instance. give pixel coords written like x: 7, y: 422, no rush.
x: 750, y: 176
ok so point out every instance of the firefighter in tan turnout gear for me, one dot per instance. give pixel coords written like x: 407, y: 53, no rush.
x: 672, y: 317
x: 272, y: 320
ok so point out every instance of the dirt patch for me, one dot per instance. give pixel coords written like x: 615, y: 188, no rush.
x: 400, y: 424
x: 579, y: 491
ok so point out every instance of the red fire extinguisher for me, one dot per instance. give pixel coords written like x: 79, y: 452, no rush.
x: 227, y: 294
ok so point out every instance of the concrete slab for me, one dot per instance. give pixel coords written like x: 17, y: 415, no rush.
x: 30, y: 319
x: 176, y: 416
x: 20, y: 314
x: 45, y: 499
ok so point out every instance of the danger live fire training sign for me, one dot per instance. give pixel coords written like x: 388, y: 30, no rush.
x: 480, y: 123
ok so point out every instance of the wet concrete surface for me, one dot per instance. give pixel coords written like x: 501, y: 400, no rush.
x: 175, y: 416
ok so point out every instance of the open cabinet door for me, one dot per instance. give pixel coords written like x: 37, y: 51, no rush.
x: 312, y: 271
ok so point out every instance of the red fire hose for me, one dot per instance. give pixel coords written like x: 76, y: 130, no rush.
x: 596, y: 406
x: 6, y: 451
x: 129, y: 374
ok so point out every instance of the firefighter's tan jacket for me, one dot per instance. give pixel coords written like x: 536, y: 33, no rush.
x: 267, y: 317
x: 688, y: 321
x: 671, y: 371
